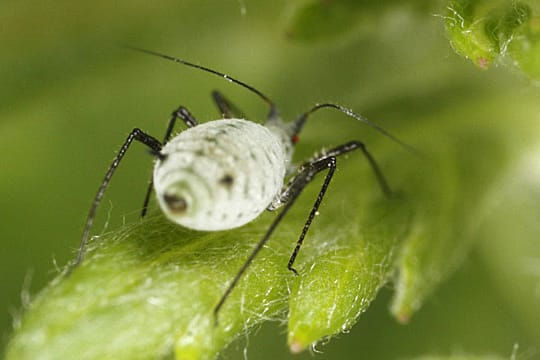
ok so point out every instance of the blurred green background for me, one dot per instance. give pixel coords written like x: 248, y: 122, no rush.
x: 69, y: 94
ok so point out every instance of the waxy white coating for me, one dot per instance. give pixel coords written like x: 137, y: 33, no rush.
x: 228, y: 172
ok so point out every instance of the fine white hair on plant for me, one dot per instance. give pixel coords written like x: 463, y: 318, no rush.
x: 223, y: 174
x: 25, y: 297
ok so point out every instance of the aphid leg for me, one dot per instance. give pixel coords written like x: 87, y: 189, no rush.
x: 301, y: 180
x: 185, y: 116
x: 304, y: 177
x: 226, y: 108
x: 307, y: 172
x: 190, y: 121
x: 136, y: 134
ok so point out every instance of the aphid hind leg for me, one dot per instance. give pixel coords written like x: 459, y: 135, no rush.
x: 136, y: 134
x: 309, y: 169
x: 299, y: 182
x: 190, y: 121
x: 227, y: 109
x: 303, y: 178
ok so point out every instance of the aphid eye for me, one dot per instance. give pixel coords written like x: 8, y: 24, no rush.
x: 176, y: 204
x: 227, y: 180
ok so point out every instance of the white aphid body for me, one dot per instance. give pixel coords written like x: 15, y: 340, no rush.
x: 222, y: 174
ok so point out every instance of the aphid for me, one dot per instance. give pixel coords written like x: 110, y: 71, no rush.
x: 224, y: 173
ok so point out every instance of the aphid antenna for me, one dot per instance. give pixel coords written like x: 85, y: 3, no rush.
x: 299, y: 124
x: 273, y: 110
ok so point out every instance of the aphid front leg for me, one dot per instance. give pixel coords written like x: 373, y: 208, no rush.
x: 190, y: 121
x: 136, y: 134
x: 183, y: 114
x: 226, y: 108
x: 306, y: 174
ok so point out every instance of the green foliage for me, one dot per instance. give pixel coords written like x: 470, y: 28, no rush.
x: 159, y: 283
x: 479, y: 30
x: 316, y: 20
x: 344, y: 279
x: 484, y: 30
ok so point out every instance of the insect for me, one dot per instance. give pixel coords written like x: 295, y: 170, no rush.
x: 224, y: 173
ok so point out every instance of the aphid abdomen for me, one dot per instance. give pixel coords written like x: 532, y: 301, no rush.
x: 219, y: 175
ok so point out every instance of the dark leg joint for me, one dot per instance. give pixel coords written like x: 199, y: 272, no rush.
x: 353, y: 145
x: 185, y: 115
x: 158, y: 154
x: 289, y: 266
x: 136, y: 134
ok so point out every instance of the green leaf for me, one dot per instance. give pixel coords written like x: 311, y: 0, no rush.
x: 447, y: 210
x: 148, y: 289
x: 524, y: 45
x: 485, y: 30
x: 316, y: 20
x: 466, y: 27
x: 158, y: 283
x: 345, y: 276
x: 151, y: 287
